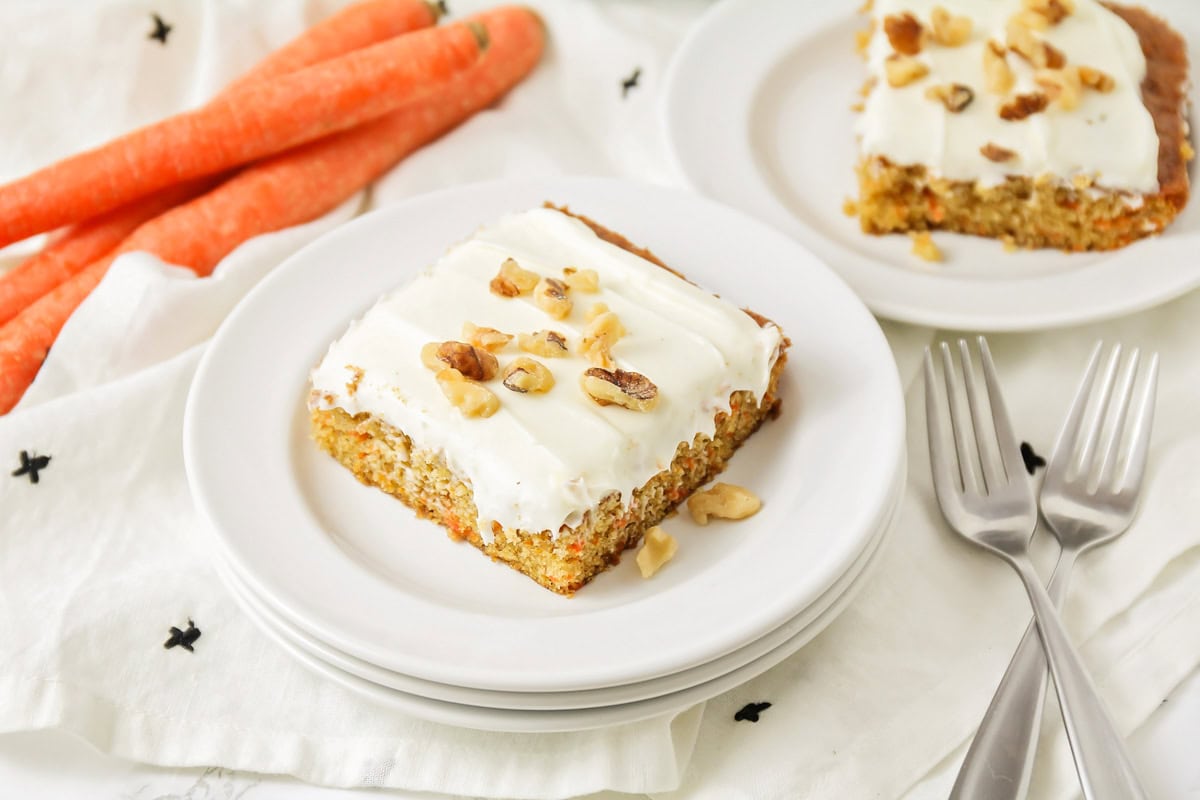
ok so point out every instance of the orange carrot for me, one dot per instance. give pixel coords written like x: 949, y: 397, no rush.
x: 289, y: 189
x: 352, y: 28
x: 82, y: 244
x: 260, y: 119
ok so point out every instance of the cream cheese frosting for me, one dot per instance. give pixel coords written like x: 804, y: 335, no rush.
x: 542, y: 460
x: 1109, y: 137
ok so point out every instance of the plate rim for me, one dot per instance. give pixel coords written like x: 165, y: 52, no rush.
x: 565, y: 187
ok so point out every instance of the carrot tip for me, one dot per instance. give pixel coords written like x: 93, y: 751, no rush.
x: 480, y: 32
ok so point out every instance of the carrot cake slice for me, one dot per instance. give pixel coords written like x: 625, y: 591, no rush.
x: 546, y: 391
x: 1048, y: 123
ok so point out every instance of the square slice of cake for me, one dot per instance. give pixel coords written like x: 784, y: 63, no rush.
x: 1047, y: 123
x: 546, y: 391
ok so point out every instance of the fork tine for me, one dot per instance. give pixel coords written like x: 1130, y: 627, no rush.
x: 1108, y: 461
x: 1131, y: 480
x: 1068, y: 435
x: 958, y: 422
x: 945, y: 471
x: 1010, y: 453
x: 988, y: 457
x: 1080, y: 466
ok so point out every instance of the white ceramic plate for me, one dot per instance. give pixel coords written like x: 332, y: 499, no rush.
x: 757, y: 113
x: 259, y: 608
x: 556, y: 720
x: 356, y: 568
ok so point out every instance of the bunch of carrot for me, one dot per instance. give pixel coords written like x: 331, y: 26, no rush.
x: 285, y: 143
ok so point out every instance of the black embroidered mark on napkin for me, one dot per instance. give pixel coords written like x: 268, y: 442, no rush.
x: 161, y: 30
x: 184, y: 639
x: 750, y: 712
x: 443, y: 10
x: 31, y: 464
x: 630, y: 82
x: 1032, y: 460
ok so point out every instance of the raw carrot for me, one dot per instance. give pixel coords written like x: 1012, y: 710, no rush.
x: 289, y: 189
x: 82, y: 244
x: 352, y: 28
x: 258, y: 120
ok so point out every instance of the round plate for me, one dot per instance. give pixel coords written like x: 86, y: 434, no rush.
x: 358, y: 570
x: 783, y: 148
x: 509, y: 720
x: 261, y: 610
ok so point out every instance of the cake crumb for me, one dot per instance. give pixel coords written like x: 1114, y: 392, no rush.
x: 924, y: 247
x: 1186, y: 150
x: 1010, y: 244
x: 850, y: 207
x: 658, y: 547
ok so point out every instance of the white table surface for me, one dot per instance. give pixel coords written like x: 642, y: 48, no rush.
x: 50, y: 764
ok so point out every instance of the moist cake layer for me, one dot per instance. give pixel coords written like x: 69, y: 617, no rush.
x: 543, y: 460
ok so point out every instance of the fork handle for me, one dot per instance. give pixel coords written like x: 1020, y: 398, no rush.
x: 999, y: 762
x: 1105, y: 771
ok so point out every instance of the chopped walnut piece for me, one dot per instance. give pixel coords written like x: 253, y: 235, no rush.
x: 512, y: 280
x: 1062, y: 86
x: 902, y: 70
x: 862, y: 40
x: 473, y: 362
x: 1041, y: 54
x: 594, y: 311
x: 526, y: 375
x: 658, y: 547
x: 1029, y: 19
x: 1095, y: 79
x: 551, y: 297
x: 631, y: 390
x: 994, y: 152
x: 581, y: 280
x: 949, y: 30
x: 429, y: 357
x: 471, y: 399
x: 547, y: 344
x: 602, y: 333
x: 489, y: 339
x: 998, y: 75
x: 954, y: 96
x: 724, y: 501
x: 905, y: 33
x: 924, y: 246
x: 1024, y: 105
x: 1054, y: 11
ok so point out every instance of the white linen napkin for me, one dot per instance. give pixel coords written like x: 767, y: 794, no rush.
x: 103, y: 553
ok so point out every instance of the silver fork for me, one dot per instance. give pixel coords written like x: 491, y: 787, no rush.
x: 1082, y: 515
x: 985, y: 495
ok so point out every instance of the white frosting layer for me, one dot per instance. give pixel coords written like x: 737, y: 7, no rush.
x: 542, y: 460
x: 1109, y: 134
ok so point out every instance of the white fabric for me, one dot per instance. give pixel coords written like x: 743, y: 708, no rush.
x: 99, y: 557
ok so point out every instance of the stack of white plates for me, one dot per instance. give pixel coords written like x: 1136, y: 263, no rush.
x: 353, y: 585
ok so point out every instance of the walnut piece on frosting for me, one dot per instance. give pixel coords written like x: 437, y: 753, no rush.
x: 581, y: 280
x: 905, y: 33
x: 471, y: 399
x: 550, y: 294
x: 489, y: 339
x: 954, y: 96
x: 994, y: 152
x: 524, y: 375
x: 1093, y: 78
x: 1062, y: 86
x: 1024, y: 105
x: 947, y: 29
x: 724, y: 501
x: 513, y: 280
x: 619, y: 387
x: 1053, y: 11
x: 658, y: 547
x: 601, y: 334
x: 547, y: 344
x: 997, y: 74
x: 470, y: 361
x: 903, y: 70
